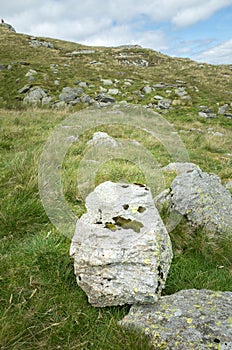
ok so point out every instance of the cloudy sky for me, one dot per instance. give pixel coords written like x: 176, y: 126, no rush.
x: 198, y: 29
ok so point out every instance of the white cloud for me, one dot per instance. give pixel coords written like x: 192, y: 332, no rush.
x: 189, y: 15
x: 111, y: 23
x: 218, y: 54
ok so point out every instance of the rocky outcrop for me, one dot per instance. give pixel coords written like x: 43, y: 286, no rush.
x: 189, y: 319
x: 121, y: 249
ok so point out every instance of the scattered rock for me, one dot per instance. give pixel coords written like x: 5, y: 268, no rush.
x: 37, y: 43
x: 189, y: 319
x: 228, y: 185
x: 2, y: 67
x: 223, y: 109
x: 207, y: 115
x: 164, y: 103
x: 121, y: 249
x: 104, y: 98
x: 182, y: 93
x: 202, y: 200
x: 71, y: 95
x: 35, y: 96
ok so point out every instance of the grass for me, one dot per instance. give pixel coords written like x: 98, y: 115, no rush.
x: 41, y: 306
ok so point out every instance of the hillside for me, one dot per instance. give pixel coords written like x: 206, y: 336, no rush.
x: 59, y: 64
x: 43, y: 81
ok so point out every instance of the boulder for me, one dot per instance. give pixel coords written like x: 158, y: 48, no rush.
x: 35, y: 96
x: 69, y: 95
x: 189, y: 319
x: 203, y: 200
x: 121, y: 249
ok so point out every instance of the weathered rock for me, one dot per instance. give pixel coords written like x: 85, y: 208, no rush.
x: 164, y: 104
x: 189, y: 319
x: 69, y: 95
x: 35, y: 96
x: 203, y: 201
x: 206, y: 115
x: 37, y: 43
x: 104, y: 98
x: 223, y: 109
x: 121, y: 249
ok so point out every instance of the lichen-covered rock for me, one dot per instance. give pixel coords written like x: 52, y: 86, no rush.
x: 203, y: 200
x: 121, y: 249
x: 187, y: 320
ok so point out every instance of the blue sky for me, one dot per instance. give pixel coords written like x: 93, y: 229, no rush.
x: 183, y: 28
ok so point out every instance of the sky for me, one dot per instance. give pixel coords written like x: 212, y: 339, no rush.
x: 197, y: 29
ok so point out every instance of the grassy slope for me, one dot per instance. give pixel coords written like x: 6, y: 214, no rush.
x: 41, y: 305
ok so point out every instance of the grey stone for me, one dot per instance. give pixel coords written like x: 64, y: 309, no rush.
x: 189, y: 319
x: 69, y: 95
x: 113, y: 91
x: 2, y: 67
x: 164, y: 104
x: 203, y: 200
x: 37, y: 43
x: 86, y: 98
x: 207, y: 115
x: 35, y: 95
x: 121, y: 248
x: 147, y: 89
x: 46, y: 100
x: 83, y: 52
x: 104, y: 98
x: 180, y: 168
x: 106, y: 82
x: 223, y: 109
x: 30, y: 73
x: 158, y: 97
x: 102, y: 138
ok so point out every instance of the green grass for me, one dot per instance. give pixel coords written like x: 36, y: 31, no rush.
x: 41, y: 306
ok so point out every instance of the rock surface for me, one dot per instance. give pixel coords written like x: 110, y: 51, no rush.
x: 189, y: 319
x: 202, y: 200
x: 121, y: 249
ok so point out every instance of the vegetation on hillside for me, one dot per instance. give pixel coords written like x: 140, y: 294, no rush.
x: 41, y: 306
